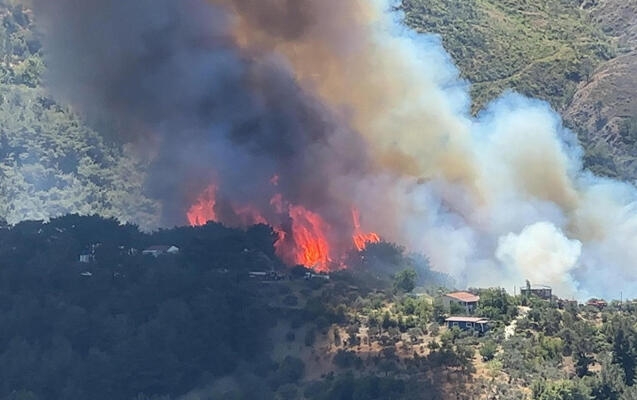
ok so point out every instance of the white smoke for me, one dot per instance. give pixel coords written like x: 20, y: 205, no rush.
x: 541, y: 253
x: 504, y: 197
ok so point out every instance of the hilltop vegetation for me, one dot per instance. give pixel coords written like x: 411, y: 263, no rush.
x: 124, y: 325
x: 195, y: 325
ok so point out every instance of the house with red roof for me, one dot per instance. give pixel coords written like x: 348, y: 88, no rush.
x: 468, y: 301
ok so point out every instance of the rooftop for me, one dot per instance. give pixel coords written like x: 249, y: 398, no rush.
x: 536, y: 287
x: 464, y: 296
x: 160, y: 248
x: 467, y: 319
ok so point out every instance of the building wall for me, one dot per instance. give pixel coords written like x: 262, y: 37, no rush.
x: 468, y: 307
x: 468, y: 326
x: 543, y: 293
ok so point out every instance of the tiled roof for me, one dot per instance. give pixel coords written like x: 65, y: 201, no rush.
x: 464, y: 297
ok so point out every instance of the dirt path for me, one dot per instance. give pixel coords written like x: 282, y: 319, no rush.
x: 510, y: 329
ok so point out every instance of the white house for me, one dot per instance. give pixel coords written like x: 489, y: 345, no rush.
x: 310, y: 275
x: 161, y: 250
x: 466, y: 300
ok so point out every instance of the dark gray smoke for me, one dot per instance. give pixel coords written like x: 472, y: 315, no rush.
x: 321, y: 92
x: 170, y: 72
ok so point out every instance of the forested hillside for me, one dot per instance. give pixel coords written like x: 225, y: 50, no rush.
x: 51, y: 162
x: 538, y: 48
x: 201, y: 323
x: 118, y: 323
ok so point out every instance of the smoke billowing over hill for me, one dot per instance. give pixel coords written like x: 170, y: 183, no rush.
x: 313, y: 111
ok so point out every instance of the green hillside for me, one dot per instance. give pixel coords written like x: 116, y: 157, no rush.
x: 51, y: 162
x: 539, y: 48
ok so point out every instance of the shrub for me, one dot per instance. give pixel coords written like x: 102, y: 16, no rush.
x: 488, y: 350
x: 347, y: 359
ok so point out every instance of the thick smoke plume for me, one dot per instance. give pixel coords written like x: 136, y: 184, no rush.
x: 344, y: 107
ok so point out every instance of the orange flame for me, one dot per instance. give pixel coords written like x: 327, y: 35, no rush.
x: 308, y: 231
x: 362, y: 239
x: 304, y: 242
x: 204, y: 208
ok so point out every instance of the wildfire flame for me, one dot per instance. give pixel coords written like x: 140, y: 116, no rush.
x: 362, y: 239
x: 204, y: 208
x: 308, y: 230
x: 303, y: 240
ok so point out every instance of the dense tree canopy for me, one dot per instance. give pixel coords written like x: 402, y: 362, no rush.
x: 154, y: 325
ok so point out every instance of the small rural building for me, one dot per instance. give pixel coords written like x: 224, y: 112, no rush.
x: 87, y: 258
x: 157, y: 251
x: 88, y: 255
x: 266, y: 276
x: 468, y: 323
x: 258, y: 274
x: 597, y: 303
x: 128, y: 251
x: 563, y: 303
x: 541, y: 291
x: 468, y: 301
x: 310, y: 275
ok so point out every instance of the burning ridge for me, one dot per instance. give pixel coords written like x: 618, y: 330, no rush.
x: 361, y: 121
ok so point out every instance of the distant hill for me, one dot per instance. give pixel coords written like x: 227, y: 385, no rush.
x: 579, y: 55
x: 604, y: 107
